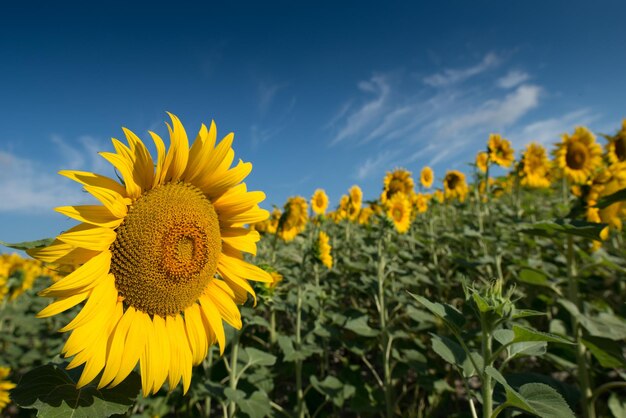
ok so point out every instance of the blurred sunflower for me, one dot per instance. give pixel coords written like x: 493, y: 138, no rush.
x: 365, y: 215
x: 454, y: 185
x: 482, y: 159
x: 276, y: 278
x: 606, y: 182
x: 535, y: 167
x: 397, y: 181
x: 616, y: 147
x: 426, y: 177
x: 500, y: 151
x: 438, y: 196
x: 5, y: 387
x: 420, y: 202
x: 294, y: 218
x: 161, y: 262
x: 319, y: 202
x: 323, y: 249
x: 356, y: 200
x: 578, y: 155
x: 343, y: 209
x: 399, y: 212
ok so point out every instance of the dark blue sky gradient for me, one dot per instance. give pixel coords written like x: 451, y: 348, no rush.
x: 278, y: 74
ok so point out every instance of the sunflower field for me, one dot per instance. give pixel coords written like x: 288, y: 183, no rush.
x: 498, y: 293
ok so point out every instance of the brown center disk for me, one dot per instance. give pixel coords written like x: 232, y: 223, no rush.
x: 576, y: 156
x: 166, y: 250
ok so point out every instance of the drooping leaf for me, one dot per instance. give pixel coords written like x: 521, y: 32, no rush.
x: 448, y: 313
x: 334, y: 389
x: 27, y: 245
x: 359, y: 326
x: 580, y: 228
x: 52, y: 391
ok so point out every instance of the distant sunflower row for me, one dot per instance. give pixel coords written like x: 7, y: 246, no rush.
x: 17, y: 275
x: 578, y: 162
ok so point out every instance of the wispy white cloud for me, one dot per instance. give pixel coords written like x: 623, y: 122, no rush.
x: 512, y: 79
x: 367, y: 115
x: 549, y: 131
x: 267, y: 93
x: 498, y: 113
x: 457, y: 75
x: 373, y: 165
x: 27, y: 188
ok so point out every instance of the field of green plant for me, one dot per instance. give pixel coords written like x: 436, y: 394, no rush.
x: 494, y: 297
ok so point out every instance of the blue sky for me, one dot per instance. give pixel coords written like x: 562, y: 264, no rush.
x: 319, y: 94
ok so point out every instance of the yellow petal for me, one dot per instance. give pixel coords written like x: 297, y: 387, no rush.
x: 92, y: 179
x: 144, y: 166
x: 113, y: 201
x: 62, y: 304
x: 212, y: 316
x: 102, y: 295
x: 224, y: 303
x: 125, y: 167
x: 116, y: 346
x: 91, y: 214
x: 179, y: 149
x: 163, y: 352
x: 161, y: 169
x: 242, y: 239
x: 89, y: 237
x: 133, y: 347
x: 85, y: 277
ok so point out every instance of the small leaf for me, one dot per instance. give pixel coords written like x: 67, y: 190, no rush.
x: 528, y: 348
x: 617, y: 406
x: 359, y: 326
x: 258, y: 357
x: 52, y: 391
x: 608, y: 352
x: 584, y: 229
x: 334, y: 389
x: 606, y: 201
x: 27, y: 245
x: 523, y: 334
x: 545, y: 401
x: 448, y: 313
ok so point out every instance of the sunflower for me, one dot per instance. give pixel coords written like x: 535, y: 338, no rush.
x: 535, y: 167
x: 5, y: 387
x: 160, y: 261
x: 426, y: 177
x: 397, y: 181
x: 323, y: 249
x: 319, y: 202
x: 276, y: 278
x: 438, y: 196
x: 454, y: 185
x: 482, y: 159
x: 356, y: 200
x: 294, y: 218
x: 606, y: 182
x: 500, y: 151
x: 420, y: 202
x: 578, y: 155
x: 399, y: 212
x: 365, y: 215
x: 616, y: 147
x: 343, y: 209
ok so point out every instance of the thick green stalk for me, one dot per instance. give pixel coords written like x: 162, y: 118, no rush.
x: 487, y: 388
x: 386, y: 341
x: 299, y: 391
x: 584, y: 380
x: 234, y: 354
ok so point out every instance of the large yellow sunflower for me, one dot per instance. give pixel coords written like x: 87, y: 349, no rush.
x: 616, y: 147
x: 399, y: 212
x: 319, y: 202
x: 578, y: 155
x: 294, y: 219
x: 500, y: 151
x: 454, y: 185
x: 426, y: 177
x: 397, y: 181
x: 160, y: 261
x: 5, y: 387
x: 535, y: 167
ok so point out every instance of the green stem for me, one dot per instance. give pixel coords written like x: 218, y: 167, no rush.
x: 487, y: 389
x: 207, y: 363
x: 584, y: 380
x: 272, y: 325
x: 386, y: 340
x: 234, y: 353
x: 299, y: 392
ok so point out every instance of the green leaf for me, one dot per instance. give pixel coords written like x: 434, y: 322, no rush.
x: 359, y: 326
x: 454, y: 354
x: 545, y: 401
x: 608, y: 352
x: 550, y: 229
x: 536, y: 398
x: 528, y: 348
x: 52, y: 391
x: 617, y: 406
x: 606, y: 201
x: 451, y: 316
x: 334, y: 389
x: 256, y: 406
x: 524, y: 334
x: 536, y: 278
x: 257, y: 357
x: 27, y: 245
x: 603, y: 325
